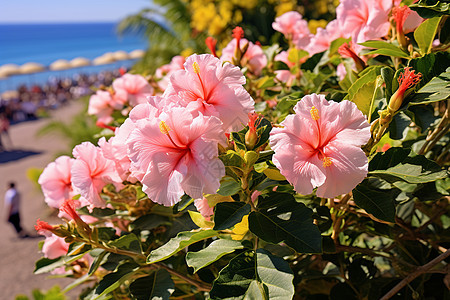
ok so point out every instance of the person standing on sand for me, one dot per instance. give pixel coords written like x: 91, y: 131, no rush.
x: 12, y: 207
x: 4, y: 130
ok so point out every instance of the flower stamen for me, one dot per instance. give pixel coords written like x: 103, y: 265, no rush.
x: 327, y: 161
x: 196, y: 67
x: 164, y: 128
x: 314, y: 113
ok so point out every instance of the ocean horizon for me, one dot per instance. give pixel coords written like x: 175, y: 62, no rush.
x: 45, y: 43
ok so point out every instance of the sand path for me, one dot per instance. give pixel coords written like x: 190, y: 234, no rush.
x: 17, y: 256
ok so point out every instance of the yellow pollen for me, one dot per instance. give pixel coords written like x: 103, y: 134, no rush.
x: 164, y: 128
x: 327, y: 161
x: 196, y: 67
x: 314, y: 113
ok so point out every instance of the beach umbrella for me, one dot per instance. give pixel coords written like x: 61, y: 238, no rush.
x: 79, y: 62
x: 121, y: 55
x: 31, y: 67
x: 10, y: 95
x: 9, y: 69
x: 60, y: 64
x: 106, y: 58
x: 138, y: 53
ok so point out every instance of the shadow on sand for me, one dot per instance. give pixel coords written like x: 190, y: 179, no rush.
x: 7, y: 156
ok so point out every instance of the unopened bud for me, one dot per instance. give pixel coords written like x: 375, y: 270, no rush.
x: 251, y: 137
x: 406, y: 80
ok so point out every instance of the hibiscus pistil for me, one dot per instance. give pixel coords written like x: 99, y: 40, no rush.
x: 326, y: 161
x: 165, y: 129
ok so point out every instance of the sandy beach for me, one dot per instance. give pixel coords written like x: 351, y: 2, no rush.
x: 18, y: 256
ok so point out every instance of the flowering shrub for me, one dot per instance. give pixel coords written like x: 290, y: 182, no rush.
x: 318, y: 170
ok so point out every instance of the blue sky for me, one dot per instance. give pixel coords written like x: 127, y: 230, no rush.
x: 54, y: 11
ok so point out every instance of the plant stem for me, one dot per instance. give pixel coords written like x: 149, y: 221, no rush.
x: 201, y: 286
x: 435, y: 135
x: 419, y: 271
x: 366, y: 251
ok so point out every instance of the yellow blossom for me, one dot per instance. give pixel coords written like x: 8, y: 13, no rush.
x: 240, y: 229
x: 314, y: 24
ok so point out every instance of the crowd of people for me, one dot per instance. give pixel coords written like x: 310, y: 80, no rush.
x: 27, y: 103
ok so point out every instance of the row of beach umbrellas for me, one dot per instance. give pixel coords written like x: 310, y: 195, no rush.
x: 63, y: 64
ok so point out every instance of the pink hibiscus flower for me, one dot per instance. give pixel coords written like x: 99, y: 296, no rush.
x: 319, y: 146
x: 321, y: 41
x: 132, y: 89
x: 212, y: 88
x: 285, y: 75
x: 56, y: 181
x: 54, y: 247
x: 364, y: 20
x: 254, y: 58
x: 177, y: 153
x: 294, y: 28
x: 164, y: 72
x: 203, y: 208
x: 102, y: 105
x: 116, y: 150
x: 91, y: 171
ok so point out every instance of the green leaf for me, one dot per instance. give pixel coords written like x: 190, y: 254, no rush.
x: 148, y: 222
x: 264, y: 129
x: 232, y: 158
x: 45, y: 265
x: 106, y: 233
x: 265, y: 82
x: 228, y: 214
x: 399, y: 164
x: 158, y: 285
x: 384, y: 48
x: 276, y: 275
x: 388, y: 76
x: 280, y: 218
x: 431, y: 8
x: 257, y: 275
x: 370, y: 74
x: 127, y: 242
x: 234, y: 280
x: 228, y: 186
x: 97, y: 262
x: 398, y: 128
x: 379, y: 203
x: 113, y: 280
x: 334, y: 46
x: 389, y: 52
x: 365, y: 97
x: 425, y: 34
x: 77, y: 282
x: 181, y: 241
x: 239, y: 138
x: 311, y: 62
x: 436, y: 90
x: 210, y: 254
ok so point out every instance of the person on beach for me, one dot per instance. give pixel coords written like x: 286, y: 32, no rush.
x: 4, y: 130
x: 12, y: 208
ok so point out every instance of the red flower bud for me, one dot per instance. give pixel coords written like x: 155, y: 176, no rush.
x: 346, y: 50
x: 44, y: 228
x: 400, y: 14
x: 407, y: 79
x: 211, y: 44
x: 251, y: 137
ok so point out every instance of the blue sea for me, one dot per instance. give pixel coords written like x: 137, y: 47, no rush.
x: 45, y: 43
